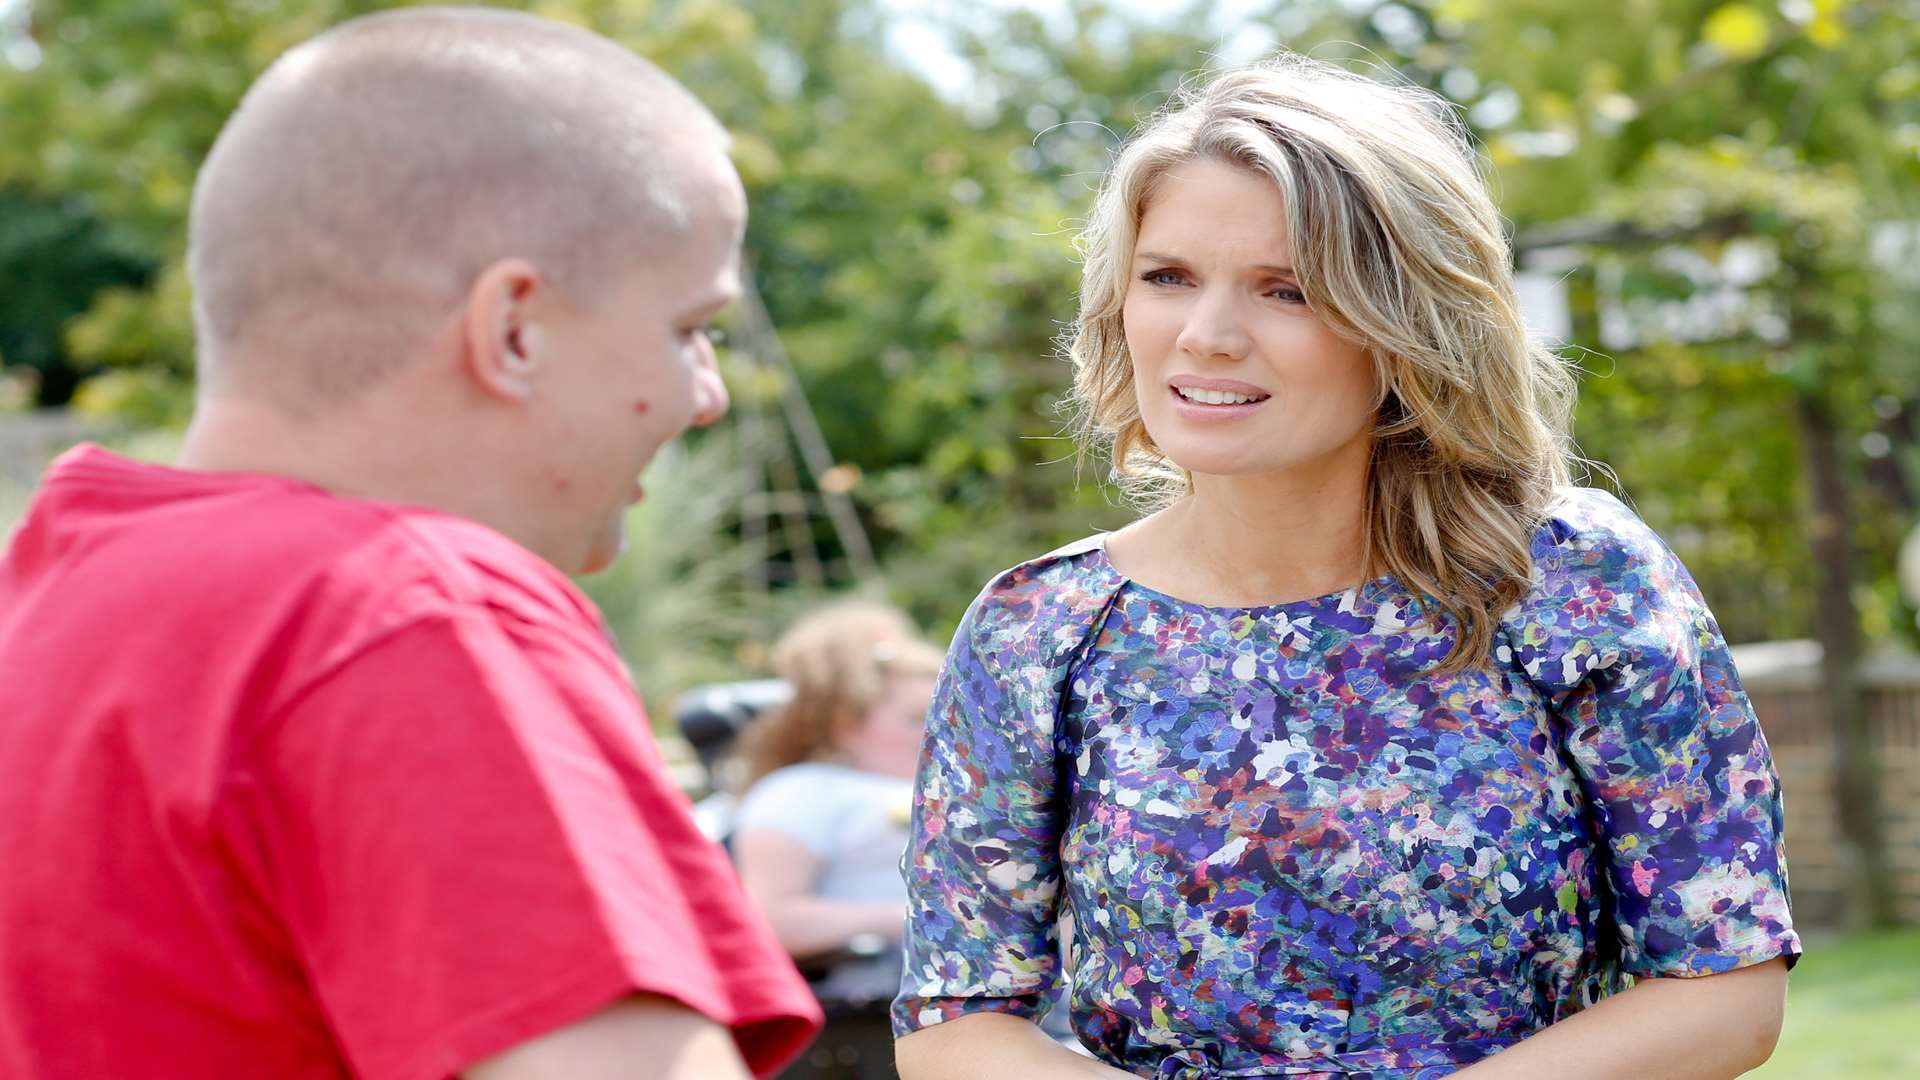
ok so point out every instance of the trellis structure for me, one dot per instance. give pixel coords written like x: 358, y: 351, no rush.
x: 791, y: 478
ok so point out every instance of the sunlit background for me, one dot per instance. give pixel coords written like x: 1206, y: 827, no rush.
x: 1714, y: 208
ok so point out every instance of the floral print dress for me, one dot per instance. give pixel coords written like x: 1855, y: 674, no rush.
x: 1288, y: 850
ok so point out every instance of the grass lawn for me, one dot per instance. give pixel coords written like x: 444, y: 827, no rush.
x: 1853, y: 1010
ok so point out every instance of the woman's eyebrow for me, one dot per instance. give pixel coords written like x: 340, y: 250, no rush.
x: 1162, y: 257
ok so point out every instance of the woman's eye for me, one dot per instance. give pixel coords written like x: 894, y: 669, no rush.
x: 1162, y: 277
x: 1288, y: 293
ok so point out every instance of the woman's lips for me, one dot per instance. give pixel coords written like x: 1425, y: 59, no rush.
x: 1194, y: 410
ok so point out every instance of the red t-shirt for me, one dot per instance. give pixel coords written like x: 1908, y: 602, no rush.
x: 293, y: 785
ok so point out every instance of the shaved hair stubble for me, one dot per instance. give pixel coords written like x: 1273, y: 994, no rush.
x: 373, y: 172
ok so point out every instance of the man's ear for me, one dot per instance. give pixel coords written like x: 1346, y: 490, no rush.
x: 502, y: 348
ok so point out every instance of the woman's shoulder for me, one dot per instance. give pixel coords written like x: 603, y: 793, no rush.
x: 1068, y: 581
x: 789, y: 783
x: 803, y: 773
x: 1082, y: 560
x: 1604, y: 585
x: 1033, y: 617
x: 1590, y: 535
x: 804, y: 788
x: 1594, y: 562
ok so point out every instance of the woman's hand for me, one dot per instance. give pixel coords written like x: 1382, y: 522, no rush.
x: 1703, y: 1028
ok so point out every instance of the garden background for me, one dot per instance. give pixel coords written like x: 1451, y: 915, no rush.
x: 1715, y: 210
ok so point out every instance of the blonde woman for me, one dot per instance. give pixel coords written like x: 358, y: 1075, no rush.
x: 1375, y: 748
x: 819, y: 833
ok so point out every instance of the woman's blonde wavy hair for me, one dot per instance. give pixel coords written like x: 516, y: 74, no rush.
x: 839, y: 661
x: 1397, y: 247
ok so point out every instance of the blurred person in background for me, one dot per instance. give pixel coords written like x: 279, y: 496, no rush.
x: 313, y: 761
x: 822, y: 825
x: 829, y: 780
x: 1374, y: 748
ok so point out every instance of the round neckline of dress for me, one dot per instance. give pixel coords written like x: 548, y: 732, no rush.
x: 1365, y: 590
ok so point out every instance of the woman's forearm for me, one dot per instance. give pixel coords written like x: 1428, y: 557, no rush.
x: 780, y: 874
x: 992, y: 1044
x: 1702, y: 1028
x: 809, y: 926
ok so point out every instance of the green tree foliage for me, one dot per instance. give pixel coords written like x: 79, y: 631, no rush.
x: 912, y: 242
x: 1731, y: 190
x: 1727, y: 189
x: 55, y: 257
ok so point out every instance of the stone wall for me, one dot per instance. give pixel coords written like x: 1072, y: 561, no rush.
x: 1782, y: 679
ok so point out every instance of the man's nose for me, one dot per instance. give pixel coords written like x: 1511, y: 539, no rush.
x: 709, y: 391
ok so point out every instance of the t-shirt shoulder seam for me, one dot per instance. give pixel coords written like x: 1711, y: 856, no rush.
x: 453, y: 571
x: 366, y: 644
x: 448, y: 612
x: 443, y: 567
x: 454, y: 580
x: 452, y: 609
x: 466, y: 571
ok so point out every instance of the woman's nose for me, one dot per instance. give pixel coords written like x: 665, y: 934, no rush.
x: 1215, y: 327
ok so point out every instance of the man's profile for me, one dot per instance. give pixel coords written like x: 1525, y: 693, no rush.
x: 313, y: 762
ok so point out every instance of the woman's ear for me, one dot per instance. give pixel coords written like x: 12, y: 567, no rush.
x: 502, y: 347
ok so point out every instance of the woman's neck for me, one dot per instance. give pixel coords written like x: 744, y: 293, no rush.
x: 1250, y: 540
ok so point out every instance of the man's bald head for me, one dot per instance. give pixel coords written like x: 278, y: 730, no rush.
x: 373, y: 172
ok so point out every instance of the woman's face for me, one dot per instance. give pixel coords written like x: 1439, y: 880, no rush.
x: 888, y: 741
x: 1236, y: 375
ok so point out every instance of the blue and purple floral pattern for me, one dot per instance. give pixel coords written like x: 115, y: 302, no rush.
x: 1282, y: 847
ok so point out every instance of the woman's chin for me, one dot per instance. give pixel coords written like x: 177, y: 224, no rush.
x: 1222, y: 464
x: 1210, y: 459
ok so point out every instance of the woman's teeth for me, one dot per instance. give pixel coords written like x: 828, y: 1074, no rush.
x: 1216, y: 397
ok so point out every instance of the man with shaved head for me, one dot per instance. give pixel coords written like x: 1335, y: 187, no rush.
x: 312, y: 761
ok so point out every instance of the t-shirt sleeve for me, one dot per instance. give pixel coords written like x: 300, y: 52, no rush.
x: 799, y: 802
x: 471, y: 841
x: 1665, y: 745
x: 982, y: 865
